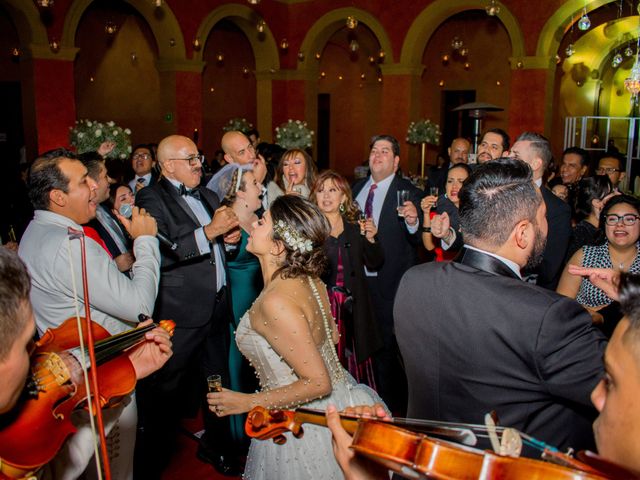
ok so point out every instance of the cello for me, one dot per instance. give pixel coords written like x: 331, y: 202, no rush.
x: 34, y: 431
x: 416, y: 455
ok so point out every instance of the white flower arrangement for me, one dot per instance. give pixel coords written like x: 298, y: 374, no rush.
x: 238, y: 125
x: 294, y: 134
x: 88, y: 135
x: 423, y: 131
x: 292, y: 238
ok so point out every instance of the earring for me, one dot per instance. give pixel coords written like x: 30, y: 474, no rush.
x: 342, y: 208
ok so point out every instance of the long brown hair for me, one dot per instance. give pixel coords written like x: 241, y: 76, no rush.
x: 351, y: 209
x: 310, y: 167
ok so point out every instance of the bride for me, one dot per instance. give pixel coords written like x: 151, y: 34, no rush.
x: 289, y: 337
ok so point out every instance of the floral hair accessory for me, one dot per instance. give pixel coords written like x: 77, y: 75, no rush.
x: 292, y: 238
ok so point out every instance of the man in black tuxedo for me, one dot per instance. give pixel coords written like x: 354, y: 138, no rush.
x: 476, y: 338
x: 399, y: 235
x: 193, y: 294
x: 535, y: 150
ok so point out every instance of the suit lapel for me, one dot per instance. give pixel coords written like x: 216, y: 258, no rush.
x: 173, y: 193
x: 389, y: 211
x: 486, y: 263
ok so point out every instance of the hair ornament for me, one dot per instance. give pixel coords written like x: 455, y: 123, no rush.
x: 292, y: 238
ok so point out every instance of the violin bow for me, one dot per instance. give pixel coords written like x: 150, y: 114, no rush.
x: 93, y: 389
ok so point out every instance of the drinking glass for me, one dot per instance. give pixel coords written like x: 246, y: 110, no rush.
x: 403, y: 196
x: 433, y: 191
x: 214, y: 383
x: 362, y: 220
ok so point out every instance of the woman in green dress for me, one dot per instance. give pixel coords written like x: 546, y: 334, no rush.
x: 238, y: 189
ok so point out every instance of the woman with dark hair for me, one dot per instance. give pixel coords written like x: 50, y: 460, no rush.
x: 119, y: 195
x: 592, y: 194
x: 289, y: 337
x: 619, y: 219
x: 296, y: 172
x: 448, y: 202
x: 350, y: 248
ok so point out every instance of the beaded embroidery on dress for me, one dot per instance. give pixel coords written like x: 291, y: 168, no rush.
x: 310, y: 457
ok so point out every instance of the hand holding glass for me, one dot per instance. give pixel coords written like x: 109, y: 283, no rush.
x: 362, y: 220
x: 403, y: 196
x: 214, y: 382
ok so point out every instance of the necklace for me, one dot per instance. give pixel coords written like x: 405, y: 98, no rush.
x: 327, y: 329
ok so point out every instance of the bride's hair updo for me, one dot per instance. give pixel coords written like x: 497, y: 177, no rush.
x: 302, y: 229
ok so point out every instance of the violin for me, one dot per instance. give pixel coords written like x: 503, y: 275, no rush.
x: 416, y: 455
x: 34, y: 431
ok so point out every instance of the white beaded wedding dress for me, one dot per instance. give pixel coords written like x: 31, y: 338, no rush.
x: 310, y: 457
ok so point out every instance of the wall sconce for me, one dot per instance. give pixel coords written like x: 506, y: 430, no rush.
x: 157, y: 3
x: 441, y: 83
x: 467, y: 66
x: 245, y: 71
x: 301, y: 56
x: 253, y: 2
x: 134, y: 57
x: 381, y: 55
x: 15, y: 52
x: 54, y: 45
x: 363, y: 76
x: 372, y: 59
x: 44, y: 3
x: 498, y: 83
x: 379, y: 79
x: 284, y: 44
x: 445, y: 58
x: 318, y: 56
x: 220, y: 57
x: 172, y: 42
x: 323, y: 74
x: 196, y: 44
x: 340, y: 77
x: 260, y: 26
x: 91, y: 79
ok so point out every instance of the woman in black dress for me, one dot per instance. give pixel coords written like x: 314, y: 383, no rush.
x: 351, y: 247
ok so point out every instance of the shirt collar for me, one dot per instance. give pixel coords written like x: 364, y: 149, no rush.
x: 513, y: 266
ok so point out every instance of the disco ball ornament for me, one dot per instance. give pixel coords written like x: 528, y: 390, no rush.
x: 570, y: 50
x: 617, y: 60
x: 456, y: 43
x: 584, y: 23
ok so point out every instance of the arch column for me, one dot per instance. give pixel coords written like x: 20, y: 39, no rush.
x: 182, y: 84
x: 49, y: 102
x: 532, y: 82
x: 400, y: 102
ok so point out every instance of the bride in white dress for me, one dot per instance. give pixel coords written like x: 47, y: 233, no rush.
x: 289, y: 337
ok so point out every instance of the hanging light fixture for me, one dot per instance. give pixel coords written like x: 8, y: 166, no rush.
x: 110, y: 28
x: 157, y: 3
x: 616, y: 60
x: 584, y: 23
x: 570, y: 50
x: 284, y: 44
x: 196, y: 44
x: 44, y: 3
x: 456, y: 43
x: 54, y: 45
x: 260, y: 26
x: 632, y: 83
x: 15, y: 52
x: 354, y: 45
x: 352, y: 22
x: 492, y: 8
x: 253, y: 2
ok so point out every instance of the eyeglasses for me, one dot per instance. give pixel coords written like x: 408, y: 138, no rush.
x: 144, y: 156
x: 602, y: 171
x: 629, y: 219
x: 192, y: 159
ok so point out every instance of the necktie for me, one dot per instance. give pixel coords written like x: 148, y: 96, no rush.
x: 368, y: 205
x: 141, y: 181
x: 194, y: 192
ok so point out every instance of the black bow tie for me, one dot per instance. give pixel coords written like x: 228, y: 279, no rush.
x: 194, y: 192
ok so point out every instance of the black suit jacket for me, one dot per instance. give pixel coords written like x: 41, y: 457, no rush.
x: 108, y: 240
x: 398, y: 245
x: 188, y: 280
x: 559, y: 234
x: 474, y: 338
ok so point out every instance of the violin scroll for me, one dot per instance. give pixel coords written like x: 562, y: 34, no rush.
x: 264, y: 424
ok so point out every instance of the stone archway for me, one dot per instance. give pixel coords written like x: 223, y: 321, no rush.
x: 431, y: 17
x: 164, y: 25
x: 26, y: 18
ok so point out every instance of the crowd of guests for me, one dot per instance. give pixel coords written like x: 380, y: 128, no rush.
x: 264, y: 264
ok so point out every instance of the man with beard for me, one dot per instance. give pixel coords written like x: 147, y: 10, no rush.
x: 475, y: 338
x: 494, y: 145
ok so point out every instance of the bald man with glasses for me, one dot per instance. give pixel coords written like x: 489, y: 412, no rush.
x: 193, y: 293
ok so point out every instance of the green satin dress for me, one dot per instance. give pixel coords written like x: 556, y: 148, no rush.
x: 245, y: 281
